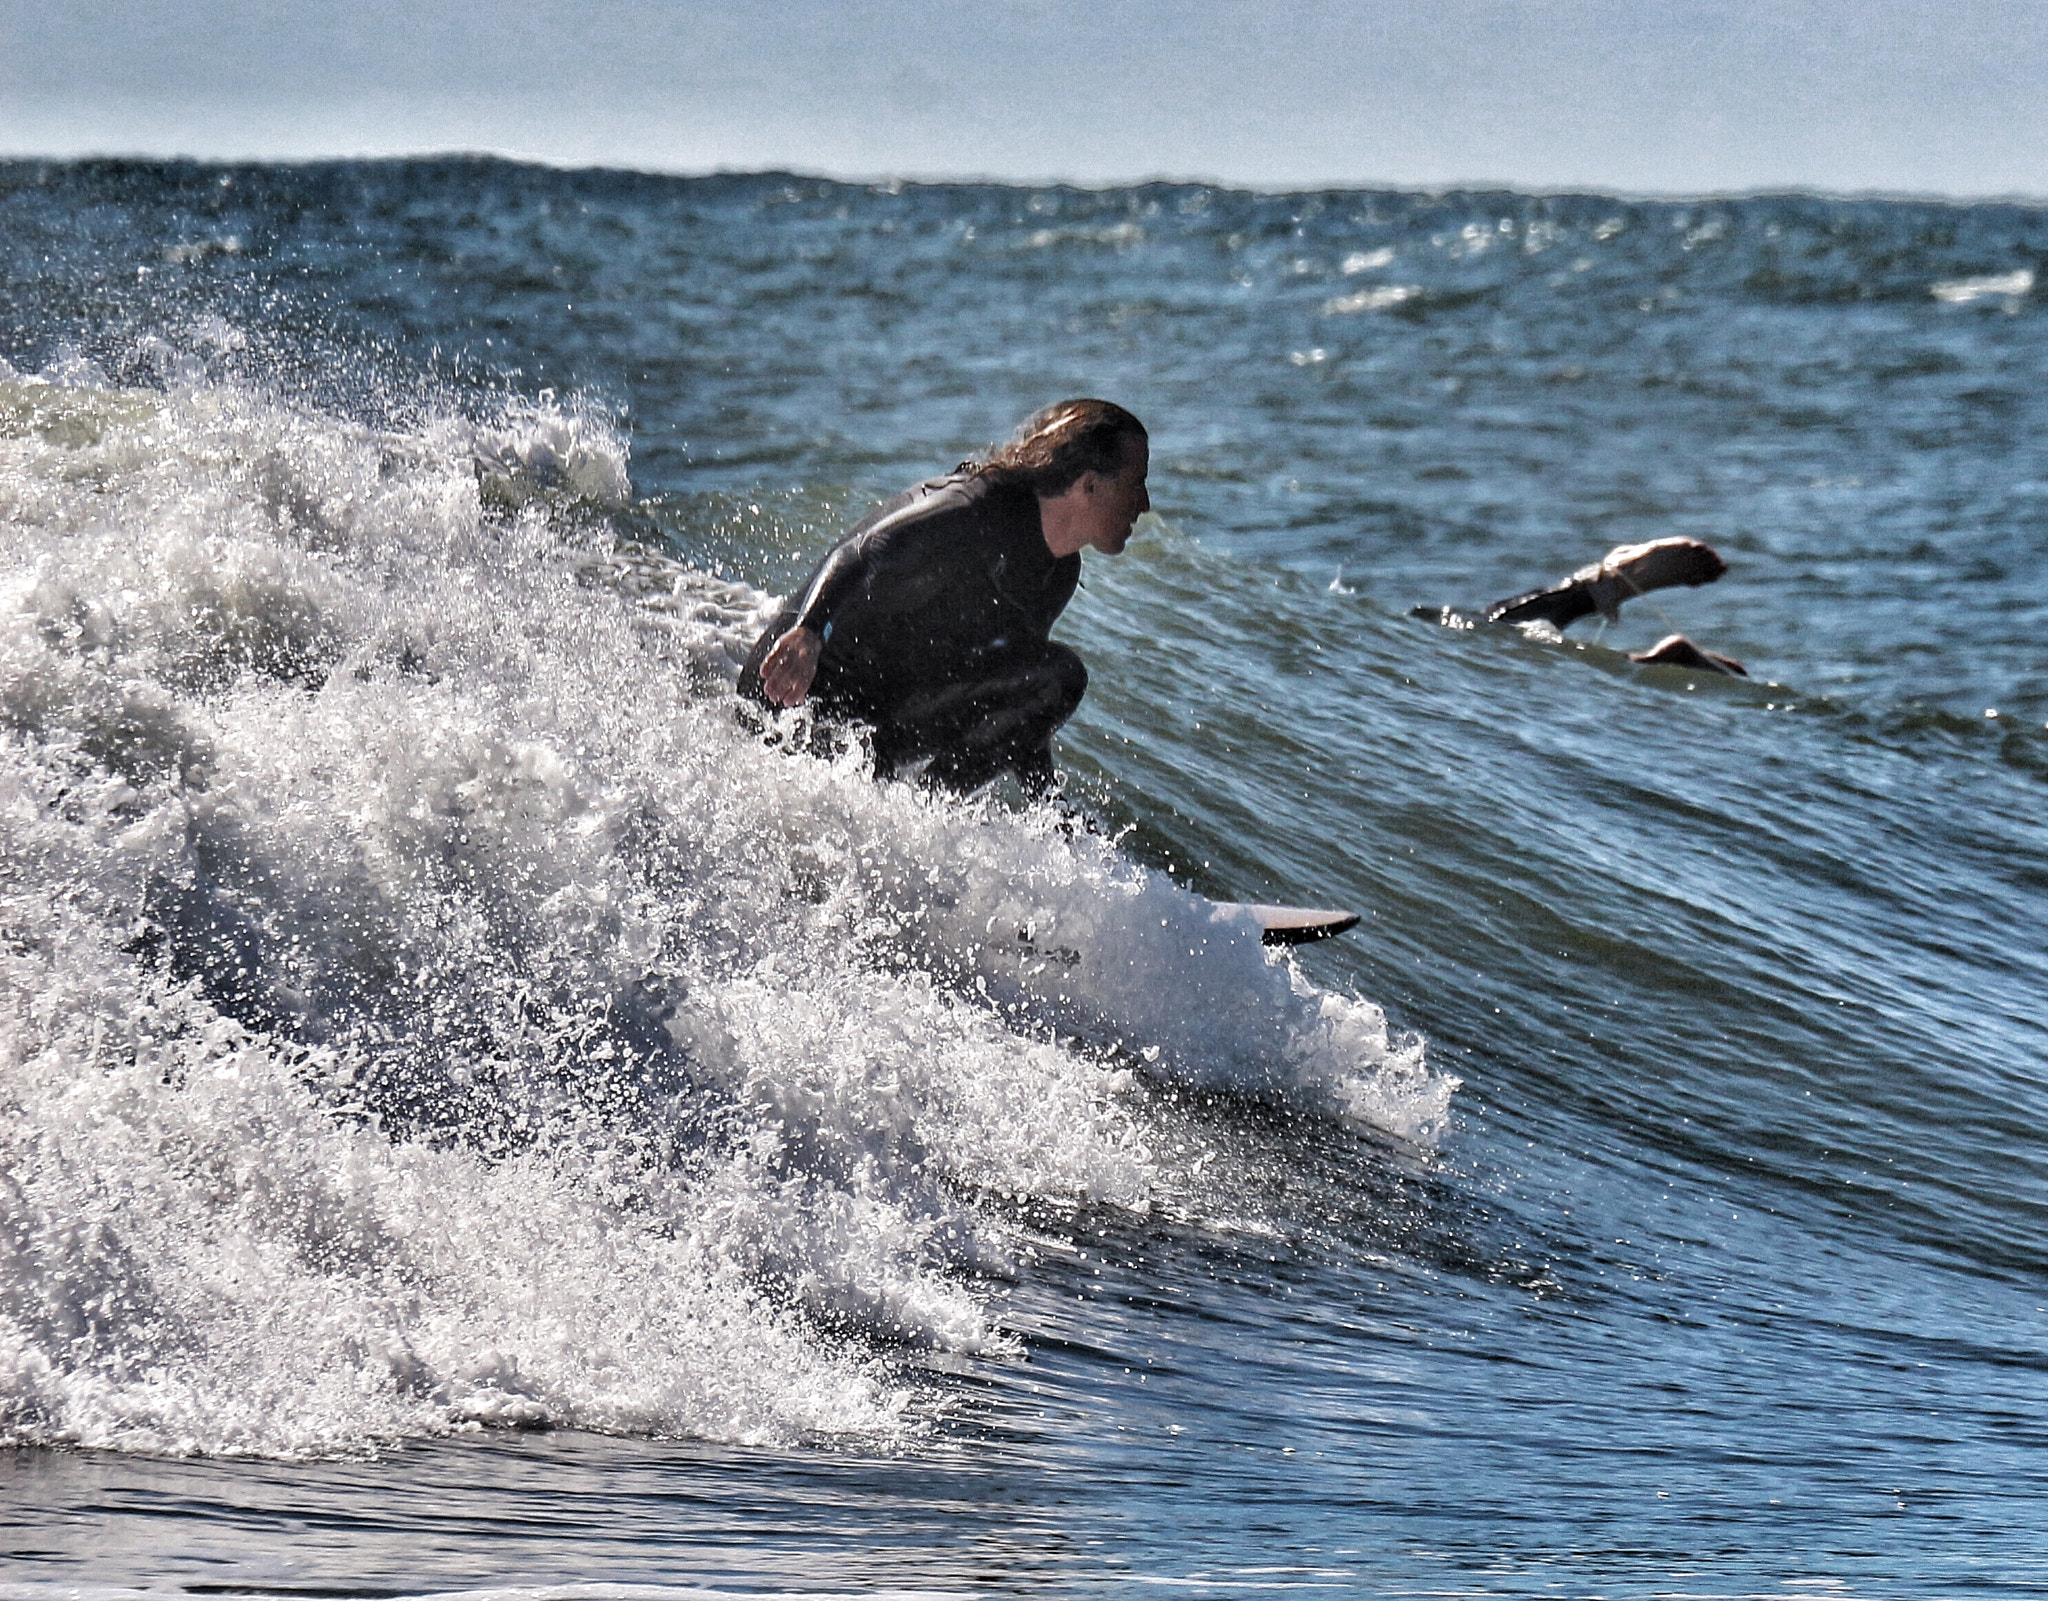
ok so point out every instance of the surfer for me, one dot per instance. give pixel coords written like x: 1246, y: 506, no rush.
x: 927, y: 623
x: 1623, y: 573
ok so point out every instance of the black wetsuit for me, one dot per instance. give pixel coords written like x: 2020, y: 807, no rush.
x: 934, y: 611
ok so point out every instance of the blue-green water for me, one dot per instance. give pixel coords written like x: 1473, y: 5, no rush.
x: 476, y: 1118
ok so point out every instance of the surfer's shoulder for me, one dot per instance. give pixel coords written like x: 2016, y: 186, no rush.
x: 941, y: 510
x: 978, y: 493
x: 935, y: 497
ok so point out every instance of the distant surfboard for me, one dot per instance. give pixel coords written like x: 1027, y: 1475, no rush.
x: 1292, y: 925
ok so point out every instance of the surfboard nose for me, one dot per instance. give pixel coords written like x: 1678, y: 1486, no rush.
x: 1292, y: 925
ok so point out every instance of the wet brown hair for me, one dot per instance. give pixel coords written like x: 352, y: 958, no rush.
x: 1054, y: 447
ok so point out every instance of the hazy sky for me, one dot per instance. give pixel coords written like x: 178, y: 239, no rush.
x: 1944, y: 96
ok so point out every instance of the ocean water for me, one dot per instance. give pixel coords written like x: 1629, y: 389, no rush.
x: 479, y: 1118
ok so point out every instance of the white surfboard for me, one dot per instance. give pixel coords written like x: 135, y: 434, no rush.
x: 1292, y: 925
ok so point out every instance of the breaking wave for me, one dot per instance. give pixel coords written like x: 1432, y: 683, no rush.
x: 425, y: 1006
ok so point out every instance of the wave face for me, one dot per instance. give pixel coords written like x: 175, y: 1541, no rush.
x: 474, y: 1110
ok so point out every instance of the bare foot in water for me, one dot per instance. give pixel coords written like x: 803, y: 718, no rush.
x: 1675, y: 650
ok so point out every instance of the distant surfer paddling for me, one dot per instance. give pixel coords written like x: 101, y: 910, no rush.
x: 1623, y: 573
x: 928, y: 622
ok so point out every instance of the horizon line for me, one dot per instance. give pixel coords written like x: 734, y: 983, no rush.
x: 928, y: 179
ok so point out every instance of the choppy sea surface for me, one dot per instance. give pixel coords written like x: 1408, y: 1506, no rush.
x: 475, y: 1116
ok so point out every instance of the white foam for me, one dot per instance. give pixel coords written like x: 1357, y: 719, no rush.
x: 423, y: 1005
x: 537, y: 447
x: 1383, y: 298
x: 2008, y: 286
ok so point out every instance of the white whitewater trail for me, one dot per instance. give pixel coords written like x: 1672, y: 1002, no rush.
x: 424, y: 1005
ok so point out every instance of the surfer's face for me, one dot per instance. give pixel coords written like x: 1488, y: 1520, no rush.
x: 1110, y: 506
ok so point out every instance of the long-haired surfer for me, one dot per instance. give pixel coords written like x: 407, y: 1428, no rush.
x: 928, y: 622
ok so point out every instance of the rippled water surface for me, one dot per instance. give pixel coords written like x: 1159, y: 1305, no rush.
x: 477, y: 1117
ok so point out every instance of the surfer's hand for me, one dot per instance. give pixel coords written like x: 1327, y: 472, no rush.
x: 790, y: 665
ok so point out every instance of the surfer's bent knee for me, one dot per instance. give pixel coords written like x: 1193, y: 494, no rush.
x: 1070, y: 674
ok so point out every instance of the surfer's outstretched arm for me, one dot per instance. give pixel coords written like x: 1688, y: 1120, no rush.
x: 1625, y: 571
x: 1560, y: 606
